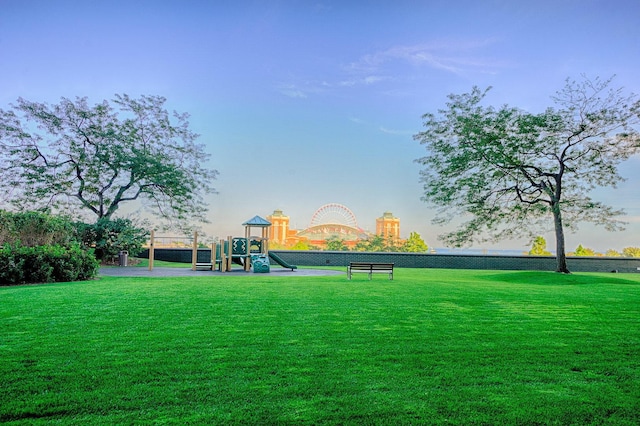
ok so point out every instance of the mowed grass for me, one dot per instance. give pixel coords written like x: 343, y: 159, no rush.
x: 430, y: 347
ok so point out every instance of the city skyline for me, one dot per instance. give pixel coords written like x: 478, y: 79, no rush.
x: 301, y: 104
x: 331, y: 221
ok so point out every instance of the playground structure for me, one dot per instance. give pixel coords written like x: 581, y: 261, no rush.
x: 245, y: 251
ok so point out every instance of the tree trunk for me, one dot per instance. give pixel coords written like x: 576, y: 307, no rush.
x: 561, y: 257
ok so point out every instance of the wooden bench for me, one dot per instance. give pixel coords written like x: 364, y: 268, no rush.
x: 370, y: 268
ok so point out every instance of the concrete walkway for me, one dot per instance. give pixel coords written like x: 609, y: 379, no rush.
x: 135, y: 271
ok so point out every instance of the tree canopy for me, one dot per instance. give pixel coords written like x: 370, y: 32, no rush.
x: 97, y: 158
x: 508, y: 172
x: 584, y: 251
x: 631, y: 252
x: 377, y: 243
x: 334, y: 243
x: 539, y: 247
x: 415, y: 244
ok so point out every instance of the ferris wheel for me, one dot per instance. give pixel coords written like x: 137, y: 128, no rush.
x: 335, y: 214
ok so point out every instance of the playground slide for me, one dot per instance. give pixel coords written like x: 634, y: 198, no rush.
x: 281, y: 261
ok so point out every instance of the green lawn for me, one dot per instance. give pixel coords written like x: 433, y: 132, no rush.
x: 430, y: 347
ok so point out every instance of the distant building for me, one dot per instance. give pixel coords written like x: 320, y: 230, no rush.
x: 279, y: 227
x: 330, y: 221
x: 388, y: 226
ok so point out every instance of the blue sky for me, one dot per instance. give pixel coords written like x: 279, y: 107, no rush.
x: 304, y: 103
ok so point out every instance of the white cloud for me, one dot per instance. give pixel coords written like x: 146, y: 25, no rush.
x: 392, y: 65
x: 292, y: 91
x: 453, y: 56
x: 364, y: 81
x: 396, y: 132
x: 347, y: 83
x: 372, y: 79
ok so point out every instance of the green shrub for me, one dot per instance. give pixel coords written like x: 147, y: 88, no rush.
x: 41, y: 264
x: 108, y: 237
x: 11, y: 266
x: 33, y: 229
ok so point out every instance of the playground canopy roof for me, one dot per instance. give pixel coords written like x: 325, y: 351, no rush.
x: 257, y: 221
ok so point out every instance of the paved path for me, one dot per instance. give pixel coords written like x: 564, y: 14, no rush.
x: 137, y: 271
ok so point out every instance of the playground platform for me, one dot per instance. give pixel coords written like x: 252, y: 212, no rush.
x: 133, y: 271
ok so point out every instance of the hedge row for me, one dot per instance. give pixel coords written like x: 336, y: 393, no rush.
x: 44, y: 264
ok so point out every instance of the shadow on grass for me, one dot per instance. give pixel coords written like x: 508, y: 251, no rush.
x: 546, y: 278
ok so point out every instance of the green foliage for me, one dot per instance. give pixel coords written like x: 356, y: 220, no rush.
x: 301, y: 245
x: 273, y: 245
x: 35, y: 229
x: 584, y: 251
x: 44, y: 264
x: 109, y: 237
x: 631, y: 252
x: 373, y: 244
x: 435, y: 347
x: 415, y: 244
x: 539, y: 247
x: 336, y: 244
x: 37, y: 247
x: 377, y: 243
x: 512, y: 172
x: 100, y: 157
x: 612, y: 253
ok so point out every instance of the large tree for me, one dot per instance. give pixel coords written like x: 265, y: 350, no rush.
x: 508, y: 172
x: 415, y: 244
x: 100, y: 157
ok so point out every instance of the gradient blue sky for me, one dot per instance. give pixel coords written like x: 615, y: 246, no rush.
x: 303, y: 103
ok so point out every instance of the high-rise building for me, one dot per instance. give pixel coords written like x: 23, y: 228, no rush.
x: 279, y: 230
x: 388, y: 226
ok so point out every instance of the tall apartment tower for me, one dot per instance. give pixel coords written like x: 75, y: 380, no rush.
x: 388, y: 226
x: 279, y: 229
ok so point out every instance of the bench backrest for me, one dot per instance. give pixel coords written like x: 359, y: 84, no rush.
x: 371, y: 266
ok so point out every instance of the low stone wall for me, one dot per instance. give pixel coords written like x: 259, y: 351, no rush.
x: 419, y: 260
x: 461, y: 261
